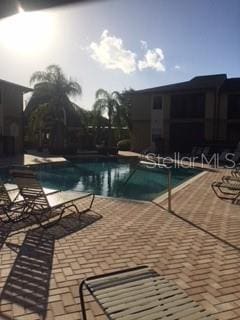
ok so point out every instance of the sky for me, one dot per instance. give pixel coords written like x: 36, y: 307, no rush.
x: 118, y: 44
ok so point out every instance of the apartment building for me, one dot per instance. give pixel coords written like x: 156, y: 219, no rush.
x: 176, y: 117
x: 11, y: 117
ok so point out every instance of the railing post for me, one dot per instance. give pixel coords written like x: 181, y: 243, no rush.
x: 169, y: 189
x: 167, y: 167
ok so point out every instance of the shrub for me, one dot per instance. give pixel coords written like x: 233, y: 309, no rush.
x: 124, y: 145
x: 106, y: 150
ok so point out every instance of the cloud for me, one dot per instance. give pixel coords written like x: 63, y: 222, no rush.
x: 177, y: 67
x: 153, y: 59
x: 144, y: 44
x: 111, y: 53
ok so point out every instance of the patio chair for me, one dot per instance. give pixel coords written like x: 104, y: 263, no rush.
x: 10, y: 187
x: 42, y: 205
x: 11, y: 205
x: 227, y: 189
x: 140, y: 294
x: 230, y: 179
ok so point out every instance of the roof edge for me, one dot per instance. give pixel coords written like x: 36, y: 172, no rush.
x: 188, y: 85
x: 24, y: 89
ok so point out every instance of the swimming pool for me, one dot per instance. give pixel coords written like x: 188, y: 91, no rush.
x: 107, y: 177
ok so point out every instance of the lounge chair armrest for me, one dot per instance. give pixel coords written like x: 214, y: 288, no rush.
x: 225, y: 178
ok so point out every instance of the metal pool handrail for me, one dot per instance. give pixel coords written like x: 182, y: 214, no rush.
x: 160, y: 166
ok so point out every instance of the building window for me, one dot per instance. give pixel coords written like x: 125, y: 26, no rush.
x: 233, y: 133
x: 187, y: 106
x: 157, y: 103
x: 234, y: 106
x: 156, y: 134
x: 156, y: 137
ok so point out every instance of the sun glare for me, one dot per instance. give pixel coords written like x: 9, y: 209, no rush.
x: 27, y: 32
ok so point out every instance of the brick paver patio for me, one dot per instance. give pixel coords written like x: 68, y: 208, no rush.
x: 197, y: 246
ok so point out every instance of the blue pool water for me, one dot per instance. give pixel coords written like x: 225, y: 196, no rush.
x: 108, y: 177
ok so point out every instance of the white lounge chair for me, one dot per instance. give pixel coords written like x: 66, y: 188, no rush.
x: 41, y: 205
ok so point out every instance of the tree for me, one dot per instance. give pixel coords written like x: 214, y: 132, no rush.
x: 55, y: 79
x: 54, y: 89
x: 124, y: 113
x: 107, y: 103
x: 40, y: 120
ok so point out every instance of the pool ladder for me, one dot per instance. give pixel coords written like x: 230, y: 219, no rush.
x: 160, y: 166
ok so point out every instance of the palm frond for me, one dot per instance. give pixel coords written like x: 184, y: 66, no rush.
x: 73, y: 88
x: 56, y: 70
x: 116, y: 96
x: 100, y: 105
x: 101, y: 93
x: 38, y: 76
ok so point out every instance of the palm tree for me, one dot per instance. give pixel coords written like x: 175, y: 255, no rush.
x: 55, y: 78
x: 40, y: 119
x: 51, y: 87
x: 107, y: 103
x: 124, y: 114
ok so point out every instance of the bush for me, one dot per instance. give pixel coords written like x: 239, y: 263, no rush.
x: 105, y: 150
x: 124, y: 145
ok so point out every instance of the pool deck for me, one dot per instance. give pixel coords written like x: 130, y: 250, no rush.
x: 36, y: 159
x: 29, y: 159
x: 197, y: 246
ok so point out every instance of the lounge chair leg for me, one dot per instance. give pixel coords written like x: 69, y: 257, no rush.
x: 90, y: 206
x: 93, y: 197
x: 226, y: 195
x: 234, y: 201
x: 85, y: 210
x: 50, y: 224
x: 84, y: 315
x: 72, y: 204
x: 215, y: 191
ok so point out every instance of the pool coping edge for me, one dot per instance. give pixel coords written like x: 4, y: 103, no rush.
x: 164, y: 196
